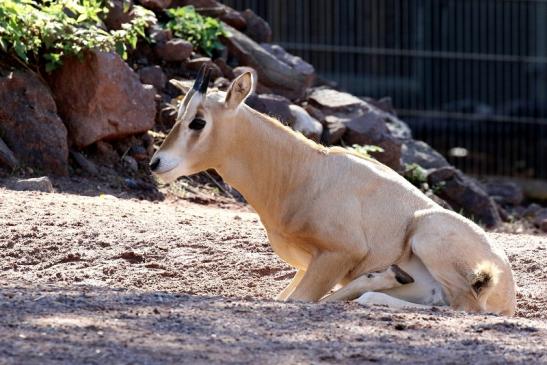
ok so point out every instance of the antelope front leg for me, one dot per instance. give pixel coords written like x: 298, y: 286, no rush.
x: 289, y: 289
x: 322, y: 274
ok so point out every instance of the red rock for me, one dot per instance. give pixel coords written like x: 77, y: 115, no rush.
x: 153, y: 75
x: 29, y: 123
x: 174, y: 50
x: 102, y: 98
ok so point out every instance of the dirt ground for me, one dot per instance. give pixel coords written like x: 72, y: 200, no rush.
x: 106, y: 280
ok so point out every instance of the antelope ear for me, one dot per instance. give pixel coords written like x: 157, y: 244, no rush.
x: 239, y: 90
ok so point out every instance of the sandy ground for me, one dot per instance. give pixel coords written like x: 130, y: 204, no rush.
x: 104, y: 280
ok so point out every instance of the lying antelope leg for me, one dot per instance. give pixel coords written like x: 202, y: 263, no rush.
x: 375, y: 298
x: 393, y: 277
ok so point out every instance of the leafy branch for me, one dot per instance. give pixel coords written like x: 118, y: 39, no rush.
x: 43, y: 33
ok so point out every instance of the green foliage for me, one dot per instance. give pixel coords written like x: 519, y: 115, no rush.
x: 415, y: 174
x: 203, y: 32
x: 366, y: 150
x: 42, y: 33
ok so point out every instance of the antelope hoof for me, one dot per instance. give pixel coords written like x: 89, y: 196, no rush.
x: 401, y: 276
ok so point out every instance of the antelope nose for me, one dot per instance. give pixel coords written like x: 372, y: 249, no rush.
x: 154, y: 164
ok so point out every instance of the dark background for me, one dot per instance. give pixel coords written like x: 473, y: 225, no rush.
x: 461, y: 73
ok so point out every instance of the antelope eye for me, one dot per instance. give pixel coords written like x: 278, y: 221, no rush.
x: 197, y: 124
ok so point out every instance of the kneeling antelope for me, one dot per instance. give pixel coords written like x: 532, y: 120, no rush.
x: 338, y: 218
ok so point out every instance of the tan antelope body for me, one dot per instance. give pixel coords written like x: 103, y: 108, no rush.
x: 338, y: 218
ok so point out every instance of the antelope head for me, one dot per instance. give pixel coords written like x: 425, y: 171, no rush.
x: 200, y: 138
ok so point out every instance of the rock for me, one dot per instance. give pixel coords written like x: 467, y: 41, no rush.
x: 273, y: 105
x: 385, y: 104
x: 174, y: 50
x: 130, y: 163
x: 102, y: 98
x: 257, y: 28
x: 155, y: 5
x: 505, y: 192
x: 314, y: 112
x: 153, y: 75
x: 282, y: 78
x: 215, y: 9
x: 367, y: 129
x: 196, y: 63
x: 159, y: 34
x: 7, y: 158
x: 227, y: 71
x: 119, y: 12
x: 332, y: 101
x: 464, y: 194
x: 42, y: 184
x: 397, y: 127
x: 334, y: 129
x: 421, y: 154
x: 306, y: 124
x: 84, y: 163
x: 29, y: 123
x: 295, y: 62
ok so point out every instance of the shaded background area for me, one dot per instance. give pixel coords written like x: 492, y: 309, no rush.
x: 468, y: 76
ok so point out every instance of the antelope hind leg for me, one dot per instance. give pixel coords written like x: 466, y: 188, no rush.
x: 393, y: 277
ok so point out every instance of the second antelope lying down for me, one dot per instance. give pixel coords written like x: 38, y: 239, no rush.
x: 338, y: 218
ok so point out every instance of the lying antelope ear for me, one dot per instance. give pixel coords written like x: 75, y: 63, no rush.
x: 239, y: 90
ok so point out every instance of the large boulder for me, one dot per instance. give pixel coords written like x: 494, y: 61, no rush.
x: 100, y: 97
x: 354, y: 121
x: 29, y: 123
x: 281, y: 77
x: 464, y: 194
